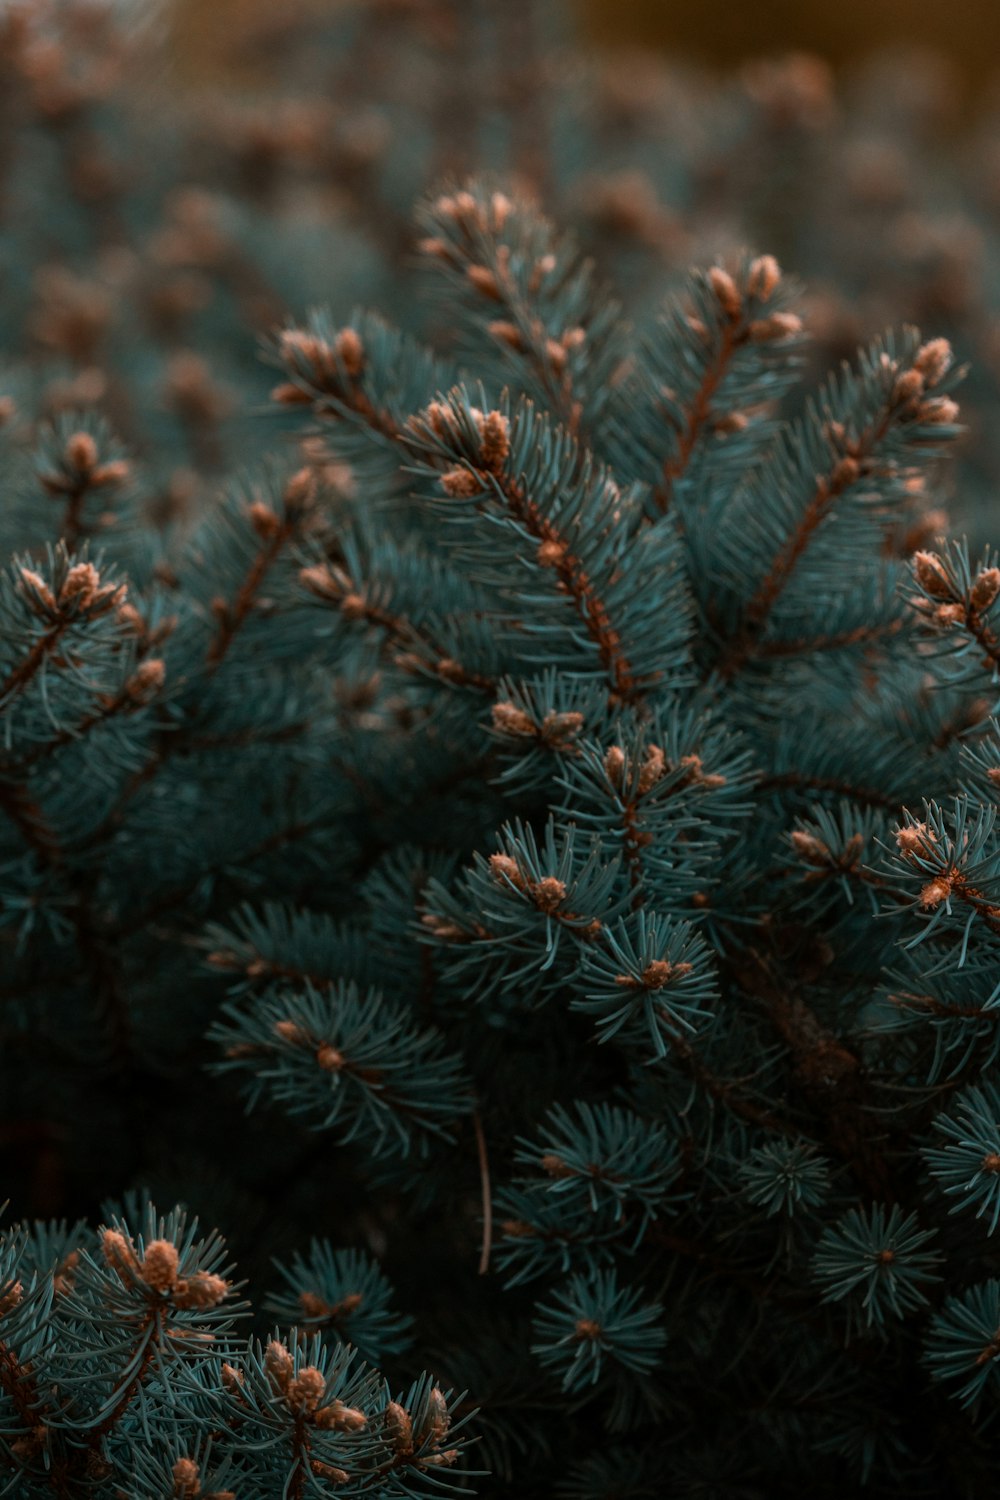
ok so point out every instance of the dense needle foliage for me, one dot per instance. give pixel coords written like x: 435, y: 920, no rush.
x: 581, y: 782
x: 521, y: 856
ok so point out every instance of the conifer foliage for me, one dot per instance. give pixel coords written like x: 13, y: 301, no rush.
x: 564, y: 791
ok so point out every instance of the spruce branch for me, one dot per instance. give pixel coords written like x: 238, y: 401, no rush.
x: 897, y: 403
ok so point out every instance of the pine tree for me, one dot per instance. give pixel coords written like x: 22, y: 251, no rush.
x: 566, y: 803
x: 521, y: 857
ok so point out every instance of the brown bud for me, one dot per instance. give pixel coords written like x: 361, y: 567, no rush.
x: 64, y: 1276
x: 319, y: 580
x: 353, y: 607
x: 677, y: 971
x: 448, y: 1456
x: 82, y: 584
x: 450, y: 670
x: 434, y: 247
x: 985, y: 589
x: 341, y: 1418
x: 809, y: 848
x: 300, y: 491
x: 439, y: 418
x: 263, y: 520
x: 507, y: 333
x: 297, y: 346
x: 187, y: 1481
x: 517, y: 1229
x: 202, y: 1290
x: 313, y: 1305
x: 614, y: 764
x: 330, y: 1472
x: 113, y: 473
x: 399, y: 1427
x: 37, y: 589
x: 554, y: 1165
x: 939, y: 411
x: 654, y: 765
x: 484, y: 281
x: 765, y: 273
x: 936, y: 891
x: 495, y: 439
x: 933, y: 360
x: 10, y: 1297
x: 726, y: 292
x: 306, y: 1390
x: 464, y: 206
x: 844, y: 474
x: 81, y: 452
x: 509, y: 719
x: 656, y: 974
x: 329, y: 1059
x: 501, y: 208
x: 551, y: 553
x: 503, y: 868
x: 556, y: 355
x: 291, y: 1032
x: 146, y: 681
x: 548, y: 893
x: 118, y: 1252
x: 438, y: 1416
x: 558, y: 730
x: 279, y: 1364
x: 441, y: 927
x: 780, y: 325
x: 287, y: 394
x: 915, y: 838
x: 223, y: 958
x: 908, y: 385
x: 159, y: 1265
x: 932, y: 575
x: 350, y: 351
x: 130, y: 617
x: 461, y: 483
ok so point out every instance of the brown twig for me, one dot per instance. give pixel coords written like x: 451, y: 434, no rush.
x: 698, y: 415
x: 484, y: 1178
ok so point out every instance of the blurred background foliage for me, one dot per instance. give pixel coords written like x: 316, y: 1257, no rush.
x: 177, y: 179
x: 859, y: 142
x: 964, y: 36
